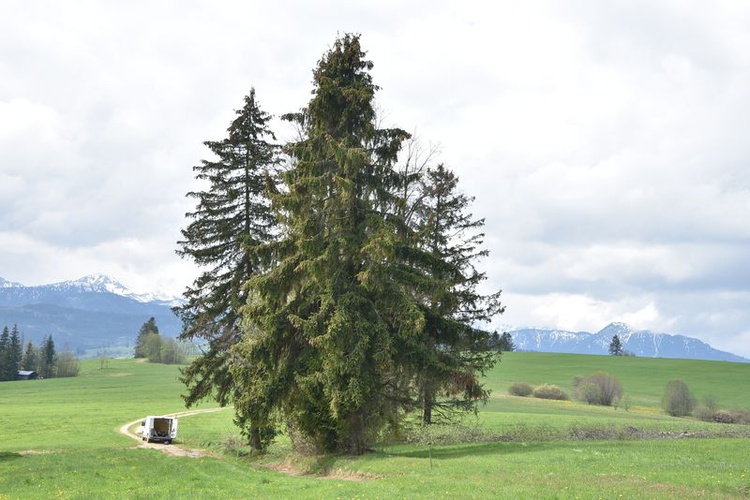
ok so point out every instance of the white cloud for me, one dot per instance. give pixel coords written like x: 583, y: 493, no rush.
x: 604, y: 141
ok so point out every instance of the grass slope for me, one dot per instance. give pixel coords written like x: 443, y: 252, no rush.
x: 59, y: 439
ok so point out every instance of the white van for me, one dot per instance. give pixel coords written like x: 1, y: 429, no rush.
x: 158, y: 429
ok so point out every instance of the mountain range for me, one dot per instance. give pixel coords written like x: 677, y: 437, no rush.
x: 642, y: 343
x: 97, y: 311
x: 92, y: 312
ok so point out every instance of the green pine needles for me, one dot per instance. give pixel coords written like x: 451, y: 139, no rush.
x: 338, y: 306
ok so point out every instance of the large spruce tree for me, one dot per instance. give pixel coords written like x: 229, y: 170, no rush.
x: 322, y: 324
x: 352, y: 298
x: 454, y: 351
x: 231, y: 220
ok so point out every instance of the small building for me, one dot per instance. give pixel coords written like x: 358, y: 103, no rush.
x: 27, y: 375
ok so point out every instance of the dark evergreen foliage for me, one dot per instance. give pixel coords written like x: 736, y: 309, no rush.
x: 454, y: 352
x: 5, y: 365
x: 148, y: 328
x: 232, y: 218
x: 30, y: 360
x: 11, y: 353
x: 322, y: 324
x: 348, y: 297
x: 615, y: 347
x: 47, y: 358
x: 505, y: 342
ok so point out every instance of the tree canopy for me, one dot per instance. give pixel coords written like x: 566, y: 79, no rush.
x: 347, y: 297
x: 615, y: 346
x: 231, y: 220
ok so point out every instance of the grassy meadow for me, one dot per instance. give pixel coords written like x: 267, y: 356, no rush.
x: 59, y: 439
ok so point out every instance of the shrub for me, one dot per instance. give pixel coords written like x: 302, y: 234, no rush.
x: 677, y: 400
x: 741, y: 416
x: 67, y: 364
x: 736, y: 416
x: 704, y: 413
x: 548, y: 391
x: 598, y: 389
x: 520, y: 389
x: 723, y: 417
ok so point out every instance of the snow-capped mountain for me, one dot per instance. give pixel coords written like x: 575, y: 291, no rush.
x: 8, y: 284
x: 91, y: 312
x: 642, y: 343
x: 103, y: 283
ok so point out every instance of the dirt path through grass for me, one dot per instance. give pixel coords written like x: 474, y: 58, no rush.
x: 169, y: 449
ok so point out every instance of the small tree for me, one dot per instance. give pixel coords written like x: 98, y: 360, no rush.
x: 140, y: 343
x: 505, y: 343
x: 171, y: 352
x: 677, y: 400
x: 30, y: 359
x: 615, y: 347
x: 67, y: 364
x: 5, y: 367
x: 599, y: 389
x: 47, y: 358
x: 152, y: 343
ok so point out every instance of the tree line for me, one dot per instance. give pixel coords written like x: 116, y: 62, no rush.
x: 43, y: 359
x: 340, y: 291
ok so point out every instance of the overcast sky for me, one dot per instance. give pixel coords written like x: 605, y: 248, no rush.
x: 605, y: 142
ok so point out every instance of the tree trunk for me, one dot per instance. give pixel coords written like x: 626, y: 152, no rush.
x: 255, y: 443
x: 428, y: 396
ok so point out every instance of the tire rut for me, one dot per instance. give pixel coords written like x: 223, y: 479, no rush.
x: 174, y: 450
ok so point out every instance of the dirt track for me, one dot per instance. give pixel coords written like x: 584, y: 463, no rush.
x: 169, y: 449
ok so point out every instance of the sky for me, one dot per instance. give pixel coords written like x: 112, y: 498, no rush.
x: 605, y: 143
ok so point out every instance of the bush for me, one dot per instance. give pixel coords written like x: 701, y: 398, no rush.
x: 704, y: 413
x: 520, y: 389
x: 677, y: 400
x: 548, y: 391
x: 598, y: 389
x: 736, y: 416
x: 67, y: 364
x: 723, y: 417
x: 741, y: 416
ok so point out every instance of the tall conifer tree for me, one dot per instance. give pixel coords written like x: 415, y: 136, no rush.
x: 47, y: 358
x: 231, y: 220
x: 5, y: 354
x: 147, y: 328
x: 359, y: 304
x: 30, y: 360
x: 321, y: 324
x: 455, y: 351
x: 15, y: 352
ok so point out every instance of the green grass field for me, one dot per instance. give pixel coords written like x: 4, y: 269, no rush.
x: 59, y: 439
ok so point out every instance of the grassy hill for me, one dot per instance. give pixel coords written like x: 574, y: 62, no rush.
x: 643, y: 379
x: 59, y: 439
